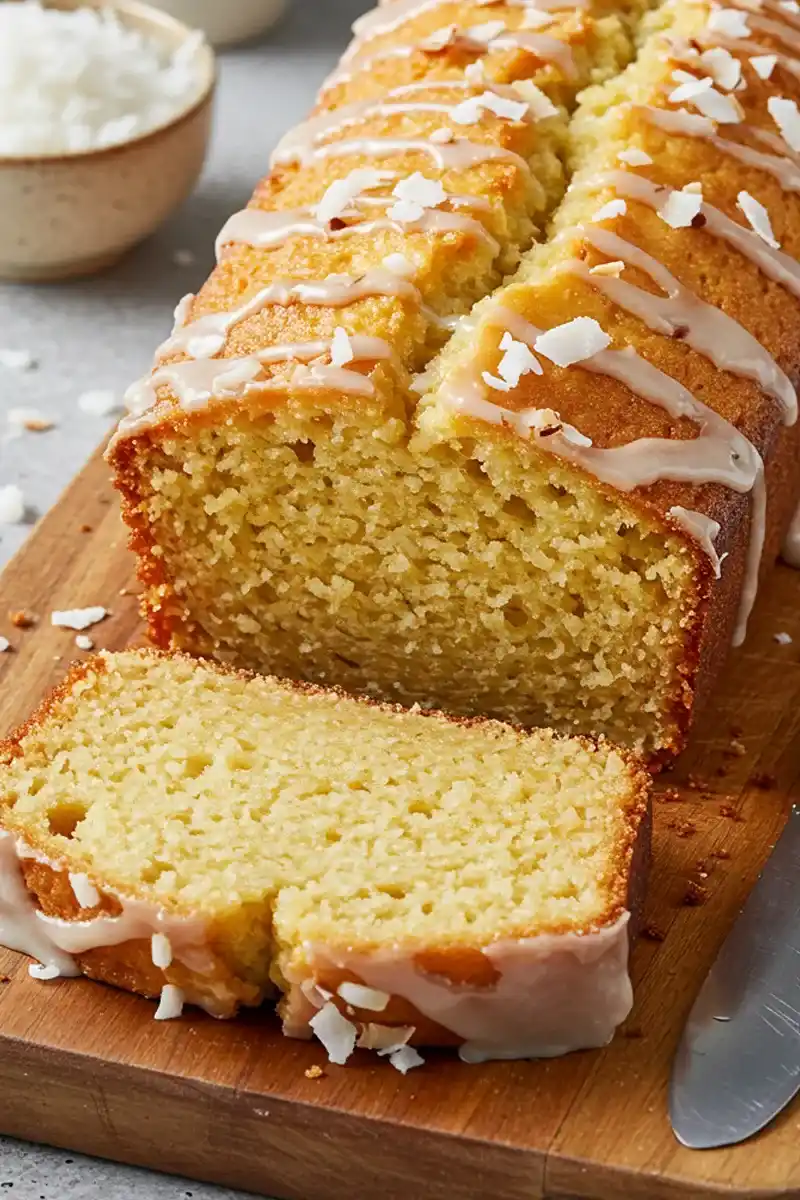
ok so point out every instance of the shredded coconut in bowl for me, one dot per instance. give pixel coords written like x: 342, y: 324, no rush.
x: 78, y: 80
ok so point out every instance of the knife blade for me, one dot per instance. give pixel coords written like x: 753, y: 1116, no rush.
x: 738, y: 1062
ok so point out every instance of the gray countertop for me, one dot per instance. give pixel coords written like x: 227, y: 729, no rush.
x: 101, y: 333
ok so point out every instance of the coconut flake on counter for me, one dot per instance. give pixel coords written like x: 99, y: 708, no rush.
x: 469, y: 111
x: 681, y: 208
x: 43, y: 972
x: 614, y: 208
x: 341, y: 193
x: 634, y: 157
x: 184, y: 258
x: 572, y: 341
x: 83, y: 642
x: 17, y: 360
x: 337, y: 1034
x: 170, y: 1005
x: 98, y: 402
x: 758, y: 218
x: 81, y: 79
x: 78, y: 618
x: 725, y: 70
x: 363, y: 997
x: 706, y: 99
x: 729, y: 22
x: 20, y: 419
x: 764, y: 64
x: 160, y: 951
x: 539, y: 104
x: 341, y: 348
x: 84, y: 890
x: 413, y: 195
x: 786, y: 116
x: 12, y: 505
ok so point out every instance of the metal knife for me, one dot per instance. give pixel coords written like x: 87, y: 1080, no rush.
x: 738, y: 1063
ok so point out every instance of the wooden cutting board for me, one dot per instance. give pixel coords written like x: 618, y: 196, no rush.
x: 85, y: 1067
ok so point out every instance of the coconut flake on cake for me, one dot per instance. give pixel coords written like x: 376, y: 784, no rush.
x: 468, y: 112
x: 729, y: 22
x: 341, y: 348
x: 573, y: 341
x: 634, y: 157
x: 84, y: 890
x: 786, y: 116
x: 339, y: 195
x: 725, y: 70
x: 614, y: 208
x: 160, y: 951
x: 702, y: 94
x: 764, y: 64
x: 413, y: 195
x: 758, y: 218
x: 361, y: 996
x: 681, y: 208
x: 539, y: 104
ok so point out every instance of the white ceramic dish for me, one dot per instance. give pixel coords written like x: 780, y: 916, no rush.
x: 75, y: 214
x: 226, y: 21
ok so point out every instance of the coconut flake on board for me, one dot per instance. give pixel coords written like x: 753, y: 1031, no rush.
x: 83, y: 642
x: 783, y: 639
x: 5, y: 644
x: 337, y: 1034
x: 170, y: 1005
x: 78, y: 618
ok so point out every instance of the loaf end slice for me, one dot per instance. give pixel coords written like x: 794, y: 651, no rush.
x: 182, y: 830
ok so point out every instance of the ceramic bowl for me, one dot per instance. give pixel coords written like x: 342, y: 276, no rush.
x: 76, y: 213
x: 226, y: 21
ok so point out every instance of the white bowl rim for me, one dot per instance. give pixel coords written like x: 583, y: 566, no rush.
x: 160, y: 20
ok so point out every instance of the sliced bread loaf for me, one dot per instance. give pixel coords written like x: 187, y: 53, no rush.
x: 182, y: 830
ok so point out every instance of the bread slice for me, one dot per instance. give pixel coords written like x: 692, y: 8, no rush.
x: 182, y: 830
x: 453, y: 540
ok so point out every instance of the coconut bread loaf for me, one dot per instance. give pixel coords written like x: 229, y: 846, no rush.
x: 185, y: 831
x: 559, y: 514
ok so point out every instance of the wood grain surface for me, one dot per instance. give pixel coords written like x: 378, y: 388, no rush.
x: 86, y: 1067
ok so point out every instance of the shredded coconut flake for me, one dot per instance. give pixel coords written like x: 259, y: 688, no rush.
x: 475, y: 72
x: 342, y: 192
x: 5, y: 644
x: 341, y: 349
x: 790, y: 6
x: 384, y: 1038
x: 783, y: 639
x: 171, y: 1003
x: 470, y: 111
x: 398, y: 264
x: 337, y: 1034
x: 539, y: 105
x: 84, y: 890
x: 440, y: 38
x: 12, y: 505
x: 40, y: 971
x: 16, y: 360
x: 725, y: 70
x: 363, y: 997
x: 414, y: 194
x: 404, y: 1059
x: 498, y: 385
x: 78, y: 618
x: 608, y: 268
x: 764, y: 64
x: 442, y: 136
x: 729, y: 22
x: 785, y: 115
x: 72, y: 81
x: 161, y: 951
x: 758, y: 218
x: 518, y: 360
x: 614, y: 208
x: 573, y: 341
x: 681, y: 207
x: 98, y: 403
x: 486, y: 32
x: 706, y: 99
x: 534, y: 18
x: 83, y: 642
x: 634, y: 157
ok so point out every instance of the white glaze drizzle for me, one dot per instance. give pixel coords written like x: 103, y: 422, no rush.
x: 719, y: 454
x: 680, y: 312
x: 702, y: 528
x: 206, y: 336
x: 790, y: 551
x: 688, y: 124
x: 543, y: 46
x: 458, y: 155
x: 270, y: 229
x: 553, y: 993
x: 775, y: 264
